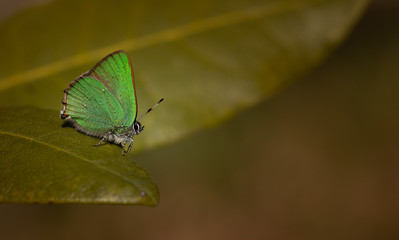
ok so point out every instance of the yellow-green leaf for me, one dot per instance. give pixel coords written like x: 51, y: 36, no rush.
x: 43, y: 162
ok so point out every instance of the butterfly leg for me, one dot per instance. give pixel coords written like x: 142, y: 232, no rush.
x: 124, y: 145
x: 131, y: 145
x: 103, y: 139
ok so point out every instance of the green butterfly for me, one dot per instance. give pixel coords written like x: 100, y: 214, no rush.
x: 102, y: 102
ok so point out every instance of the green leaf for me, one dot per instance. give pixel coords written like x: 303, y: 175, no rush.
x: 209, y: 58
x: 43, y: 162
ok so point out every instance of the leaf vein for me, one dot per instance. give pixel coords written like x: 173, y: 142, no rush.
x: 72, y: 154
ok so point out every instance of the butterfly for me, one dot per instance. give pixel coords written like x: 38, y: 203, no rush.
x: 102, y: 102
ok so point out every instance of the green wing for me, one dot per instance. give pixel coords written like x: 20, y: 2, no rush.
x: 116, y: 73
x: 103, y: 98
x: 92, y: 106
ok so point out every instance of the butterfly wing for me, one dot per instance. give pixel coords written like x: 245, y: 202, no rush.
x: 104, y: 98
x: 93, y: 108
x: 116, y: 73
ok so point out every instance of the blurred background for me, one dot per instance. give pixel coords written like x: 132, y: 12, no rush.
x: 317, y: 161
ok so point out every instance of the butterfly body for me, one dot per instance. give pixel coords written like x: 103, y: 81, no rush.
x: 102, y: 102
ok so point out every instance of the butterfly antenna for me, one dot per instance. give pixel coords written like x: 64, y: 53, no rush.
x: 151, y: 108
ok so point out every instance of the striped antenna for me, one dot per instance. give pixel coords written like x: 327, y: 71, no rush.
x: 151, y: 108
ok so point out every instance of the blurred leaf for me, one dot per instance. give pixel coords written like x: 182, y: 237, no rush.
x: 41, y: 162
x: 208, y: 58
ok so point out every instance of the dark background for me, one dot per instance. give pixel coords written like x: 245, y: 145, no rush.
x: 317, y: 161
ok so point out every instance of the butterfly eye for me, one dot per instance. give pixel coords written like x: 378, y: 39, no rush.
x: 136, y: 127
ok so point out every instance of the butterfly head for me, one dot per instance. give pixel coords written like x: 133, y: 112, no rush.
x: 137, y: 128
